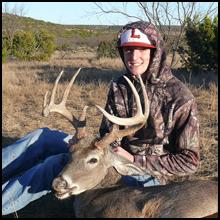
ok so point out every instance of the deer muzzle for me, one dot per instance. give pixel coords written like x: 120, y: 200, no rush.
x: 61, y: 188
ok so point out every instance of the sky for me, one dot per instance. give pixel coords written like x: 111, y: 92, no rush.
x: 84, y: 13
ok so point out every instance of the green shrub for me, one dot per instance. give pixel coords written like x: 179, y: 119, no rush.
x: 45, y: 45
x: 202, y: 50
x: 5, y: 43
x: 4, y: 55
x: 107, y: 49
x: 24, y: 45
x: 33, y: 46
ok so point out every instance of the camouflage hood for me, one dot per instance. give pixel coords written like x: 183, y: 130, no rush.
x: 158, y: 70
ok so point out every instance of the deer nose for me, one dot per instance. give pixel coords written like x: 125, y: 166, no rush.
x: 59, y: 183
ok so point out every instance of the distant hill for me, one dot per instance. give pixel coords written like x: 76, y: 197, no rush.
x: 89, y: 35
x: 27, y: 23
x: 71, y: 35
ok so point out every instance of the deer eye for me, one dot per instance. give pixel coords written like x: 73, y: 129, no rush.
x: 93, y: 160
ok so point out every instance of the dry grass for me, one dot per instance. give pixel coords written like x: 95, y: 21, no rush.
x: 24, y: 85
x: 207, y: 99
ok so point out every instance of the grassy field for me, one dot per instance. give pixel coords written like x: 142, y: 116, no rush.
x: 24, y: 86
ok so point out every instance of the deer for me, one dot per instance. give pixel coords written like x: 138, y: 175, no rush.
x: 93, y: 172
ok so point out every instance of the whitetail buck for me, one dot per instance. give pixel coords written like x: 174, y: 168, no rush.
x: 89, y: 174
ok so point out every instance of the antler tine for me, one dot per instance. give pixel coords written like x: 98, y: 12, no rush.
x: 146, y: 100
x: 60, y: 108
x: 136, y: 122
x: 55, y: 88
x: 80, y: 124
x: 45, y: 99
x: 139, y: 116
x: 48, y: 107
x: 66, y: 92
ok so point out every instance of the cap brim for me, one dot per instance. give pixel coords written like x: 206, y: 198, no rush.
x: 137, y: 44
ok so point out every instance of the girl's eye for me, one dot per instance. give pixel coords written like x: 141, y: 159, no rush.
x: 93, y: 160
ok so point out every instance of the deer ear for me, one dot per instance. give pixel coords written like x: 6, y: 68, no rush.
x: 127, y: 168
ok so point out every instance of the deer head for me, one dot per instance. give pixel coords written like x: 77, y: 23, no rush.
x: 90, y: 158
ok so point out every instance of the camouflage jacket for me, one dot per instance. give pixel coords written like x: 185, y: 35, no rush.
x: 169, y: 143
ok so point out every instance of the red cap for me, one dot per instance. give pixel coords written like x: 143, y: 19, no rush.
x: 134, y: 37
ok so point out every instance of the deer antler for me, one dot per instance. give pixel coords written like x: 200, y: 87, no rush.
x: 79, y: 125
x: 136, y: 122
